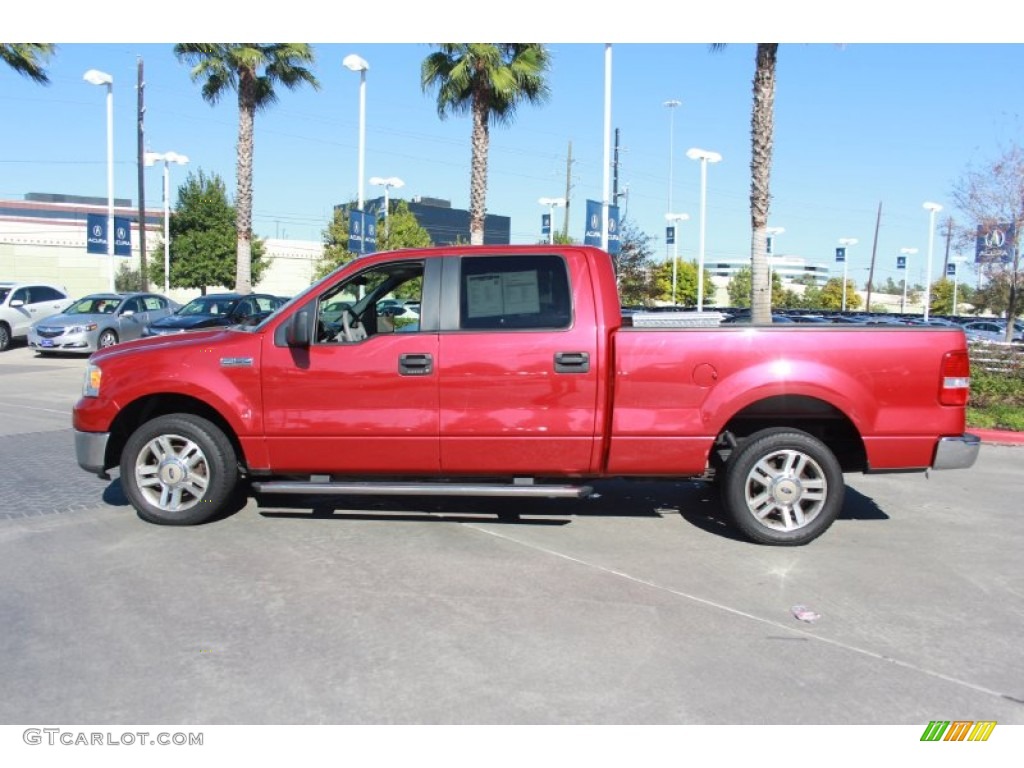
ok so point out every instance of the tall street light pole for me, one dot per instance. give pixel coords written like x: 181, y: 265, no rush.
x: 358, y: 64
x: 388, y: 183
x: 673, y: 219
x: 607, y: 143
x: 96, y: 77
x: 671, y: 105
x: 907, y: 253
x: 151, y: 158
x: 552, y: 203
x: 932, y: 209
x: 704, y: 156
x: 847, y: 243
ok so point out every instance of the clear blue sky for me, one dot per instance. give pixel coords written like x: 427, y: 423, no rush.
x: 856, y: 124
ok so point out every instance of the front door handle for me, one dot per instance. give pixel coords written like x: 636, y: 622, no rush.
x: 572, y: 362
x: 415, y: 364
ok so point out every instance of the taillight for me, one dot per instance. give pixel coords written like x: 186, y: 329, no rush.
x: 955, y: 378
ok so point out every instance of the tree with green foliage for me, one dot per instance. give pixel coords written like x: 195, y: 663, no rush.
x: 253, y: 70
x: 739, y: 288
x: 633, y: 264
x: 488, y: 81
x: 204, y: 238
x: 404, y: 231
x: 686, y: 283
x: 994, y: 195
x: 832, y: 295
x: 28, y: 59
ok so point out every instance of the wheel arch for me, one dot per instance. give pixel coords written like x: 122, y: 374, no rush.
x: 150, y: 407
x: 812, y: 415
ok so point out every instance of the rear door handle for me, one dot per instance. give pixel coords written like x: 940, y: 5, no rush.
x: 572, y: 362
x: 415, y: 364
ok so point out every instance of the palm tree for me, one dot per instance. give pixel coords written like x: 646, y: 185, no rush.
x: 251, y: 69
x: 28, y: 59
x: 762, y: 129
x: 488, y: 80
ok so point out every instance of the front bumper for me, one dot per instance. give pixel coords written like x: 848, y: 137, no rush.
x: 91, y: 451
x: 956, y: 452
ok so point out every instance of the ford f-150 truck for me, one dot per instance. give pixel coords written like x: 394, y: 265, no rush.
x: 518, y: 376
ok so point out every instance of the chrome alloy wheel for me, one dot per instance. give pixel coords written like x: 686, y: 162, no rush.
x: 172, y: 473
x: 786, y: 490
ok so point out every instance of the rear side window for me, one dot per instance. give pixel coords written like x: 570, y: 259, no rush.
x: 46, y: 293
x: 514, y: 293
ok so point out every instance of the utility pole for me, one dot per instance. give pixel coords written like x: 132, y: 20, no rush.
x: 874, y: 251
x: 143, y: 267
x: 568, y: 194
x: 949, y: 237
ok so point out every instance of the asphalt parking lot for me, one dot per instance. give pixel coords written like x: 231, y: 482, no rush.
x: 639, y: 607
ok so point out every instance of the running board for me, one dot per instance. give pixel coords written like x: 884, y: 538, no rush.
x: 519, y: 488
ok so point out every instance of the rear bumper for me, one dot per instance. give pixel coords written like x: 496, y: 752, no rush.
x: 956, y: 452
x: 91, y: 451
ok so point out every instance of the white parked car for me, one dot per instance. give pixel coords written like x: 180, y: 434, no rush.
x: 22, y: 304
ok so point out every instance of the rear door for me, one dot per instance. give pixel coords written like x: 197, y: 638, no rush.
x: 518, y: 365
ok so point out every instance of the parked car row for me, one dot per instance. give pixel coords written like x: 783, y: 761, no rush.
x: 50, y: 321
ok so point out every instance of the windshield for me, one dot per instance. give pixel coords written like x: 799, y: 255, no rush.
x: 3, y: 294
x: 93, y: 305
x: 208, y: 305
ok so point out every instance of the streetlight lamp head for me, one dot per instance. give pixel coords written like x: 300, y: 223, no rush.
x: 174, y: 157
x: 96, y: 77
x: 152, y: 158
x: 677, y: 217
x: 558, y: 202
x: 908, y: 251
x: 848, y: 241
x: 671, y: 103
x: 933, y: 207
x: 355, y: 63
x: 695, y: 153
x: 390, y: 181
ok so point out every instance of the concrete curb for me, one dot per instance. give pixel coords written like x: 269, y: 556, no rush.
x: 998, y: 436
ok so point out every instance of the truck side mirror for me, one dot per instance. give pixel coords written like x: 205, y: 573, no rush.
x: 297, y: 332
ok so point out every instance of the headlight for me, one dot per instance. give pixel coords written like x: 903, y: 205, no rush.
x: 82, y: 328
x: 91, y: 385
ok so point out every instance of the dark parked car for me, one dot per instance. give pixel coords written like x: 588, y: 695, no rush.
x: 216, y: 310
x: 97, y: 321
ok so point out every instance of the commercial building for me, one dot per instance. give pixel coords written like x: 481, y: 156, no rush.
x: 43, y: 238
x: 447, y: 225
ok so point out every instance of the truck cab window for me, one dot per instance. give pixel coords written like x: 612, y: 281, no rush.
x: 371, y: 303
x: 514, y: 293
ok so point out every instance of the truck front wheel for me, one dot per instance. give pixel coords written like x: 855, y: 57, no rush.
x: 782, y: 487
x: 179, y: 469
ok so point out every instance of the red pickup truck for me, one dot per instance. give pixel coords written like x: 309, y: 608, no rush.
x: 518, y: 376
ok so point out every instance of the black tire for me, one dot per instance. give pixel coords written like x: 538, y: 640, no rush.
x: 179, y: 469
x: 5, y: 337
x: 107, y: 339
x: 782, y: 487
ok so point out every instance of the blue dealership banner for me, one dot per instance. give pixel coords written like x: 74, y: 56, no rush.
x: 96, y: 234
x: 670, y: 235
x: 901, y: 262
x: 362, y: 232
x: 545, y: 224
x: 840, y: 254
x: 994, y: 244
x: 951, y: 269
x: 595, y: 218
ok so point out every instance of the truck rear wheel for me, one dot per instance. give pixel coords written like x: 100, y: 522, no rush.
x: 179, y: 469
x: 782, y: 487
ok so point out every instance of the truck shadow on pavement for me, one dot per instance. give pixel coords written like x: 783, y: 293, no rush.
x: 696, y: 502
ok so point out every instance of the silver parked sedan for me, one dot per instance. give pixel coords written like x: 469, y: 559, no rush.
x: 97, y: 321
